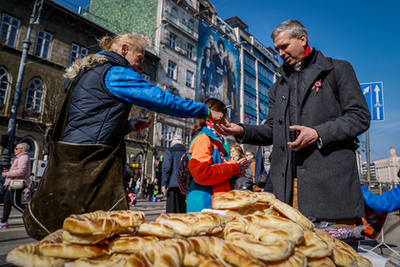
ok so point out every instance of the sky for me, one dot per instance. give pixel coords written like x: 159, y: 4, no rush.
x: 366, y: 33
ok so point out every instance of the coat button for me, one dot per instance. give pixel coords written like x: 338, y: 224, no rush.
x: 280, y: 121
x: 283, y: 98
x: 282, y: 147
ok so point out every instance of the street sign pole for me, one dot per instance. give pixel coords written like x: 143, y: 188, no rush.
x: 368, y: 160
x: 373, y: 93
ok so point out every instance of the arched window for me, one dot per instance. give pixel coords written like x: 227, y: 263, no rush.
x: 4, y: 85
x: 174, y: 15
x: 34, y: 95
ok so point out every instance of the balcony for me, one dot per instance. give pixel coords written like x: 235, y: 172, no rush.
x: 181, y: 24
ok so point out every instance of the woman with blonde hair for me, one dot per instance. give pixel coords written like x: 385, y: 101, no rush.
x: 209, y: 163
x: 88, y: 173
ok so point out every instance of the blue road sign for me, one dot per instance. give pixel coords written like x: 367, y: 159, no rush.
x: 373, y: 93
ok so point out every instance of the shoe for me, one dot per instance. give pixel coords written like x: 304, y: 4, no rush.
x: 3, y: 225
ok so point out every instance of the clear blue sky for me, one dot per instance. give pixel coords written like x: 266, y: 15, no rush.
x: 365, y: 33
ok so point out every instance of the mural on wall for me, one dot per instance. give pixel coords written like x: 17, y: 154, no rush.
x: 120, y: 16
x: 218, y: 69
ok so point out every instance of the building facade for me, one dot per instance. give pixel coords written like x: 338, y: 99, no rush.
x: 59, y: 37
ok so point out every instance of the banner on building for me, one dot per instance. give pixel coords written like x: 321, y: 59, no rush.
x: 218, y: 69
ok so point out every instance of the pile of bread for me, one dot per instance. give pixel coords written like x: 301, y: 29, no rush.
x: 244, y: 229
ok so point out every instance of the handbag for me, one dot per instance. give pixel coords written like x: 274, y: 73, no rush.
x: 78, y: 179
x: 17, y: 184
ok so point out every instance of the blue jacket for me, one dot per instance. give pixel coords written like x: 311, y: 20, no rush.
x: 385, y: 203
x: 105, y: 86
x: 170, y: 166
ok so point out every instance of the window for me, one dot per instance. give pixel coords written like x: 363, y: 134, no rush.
x: 171, y: 69
x: 167, y: 132
x: 263, y: 107
x: 249, y: 60
x: 172, y: 40
x: 250, y: 119
x: 4, y: 85
x: 146, y: 77
x: 191, y: 26
x: 34, y: 95
x: 249, y: 80
x: 265, y: 72
x: 250, y: 100
x: 9, y: 30
x: 43, y: 42
x: 189, y: 51
x: 263, y: 88
x: 189, y: 78
x: 174, y: 16
x: 77, y: 52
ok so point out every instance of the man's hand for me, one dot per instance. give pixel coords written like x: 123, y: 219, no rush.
x: 217, y: 117
x: 306, y: 137
x: 231, y: 129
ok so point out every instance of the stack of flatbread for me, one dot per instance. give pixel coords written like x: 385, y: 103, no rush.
x: 251, y: 229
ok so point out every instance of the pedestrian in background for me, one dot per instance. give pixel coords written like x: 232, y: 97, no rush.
x: 252, y: 165
x: 176, y: 202
x: 209, y: 163
x: 20, y: 169
x: 320, y: 100
x: 245, y: 182
x: 150, y: 189
x: 137, y: 186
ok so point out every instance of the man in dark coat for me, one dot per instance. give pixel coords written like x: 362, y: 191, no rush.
x: 176, y: 202
x: 327, y: 123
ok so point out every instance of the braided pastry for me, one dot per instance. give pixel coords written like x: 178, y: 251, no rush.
x: 292, y: 213
x: 103, y: 261
x: 314, y: 246
x: 258, y: 208
x: 90, y: 223
x: 130, y: 244
x: 53, y: 246
x: 29, y: 255
x: 297, y: 259
x: 235, y: 199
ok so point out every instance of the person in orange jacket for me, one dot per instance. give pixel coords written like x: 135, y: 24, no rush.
x: 209, y: 163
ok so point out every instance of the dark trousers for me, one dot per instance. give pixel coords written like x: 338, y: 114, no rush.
x: 176, y: 202
x: 12, y: 198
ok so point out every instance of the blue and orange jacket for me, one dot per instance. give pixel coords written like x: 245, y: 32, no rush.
x: 211, y: 176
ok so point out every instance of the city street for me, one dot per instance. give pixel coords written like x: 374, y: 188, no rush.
x: 15, y: 235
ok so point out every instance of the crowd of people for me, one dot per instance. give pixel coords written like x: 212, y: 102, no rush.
x: 319, y: 99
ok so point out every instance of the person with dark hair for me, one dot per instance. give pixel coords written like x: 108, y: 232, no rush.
x: 207, y: 74
x: 176, y: 201
x: 316, y: 111
x: 20, y: 169
x: 220, y: 69
x: 209, y: 163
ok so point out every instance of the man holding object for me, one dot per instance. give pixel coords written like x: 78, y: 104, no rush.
x: 328, y: 113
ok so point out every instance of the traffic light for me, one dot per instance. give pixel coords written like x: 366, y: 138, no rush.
x: 4, y: 140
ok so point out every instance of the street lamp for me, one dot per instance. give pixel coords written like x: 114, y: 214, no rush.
x: 34, y: 20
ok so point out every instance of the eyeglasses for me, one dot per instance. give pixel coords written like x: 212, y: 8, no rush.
x: 17, y: 148
x: 248, y: 155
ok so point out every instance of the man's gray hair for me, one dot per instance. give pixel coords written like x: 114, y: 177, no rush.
x: 296, y: 29
x: 24, y: 146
